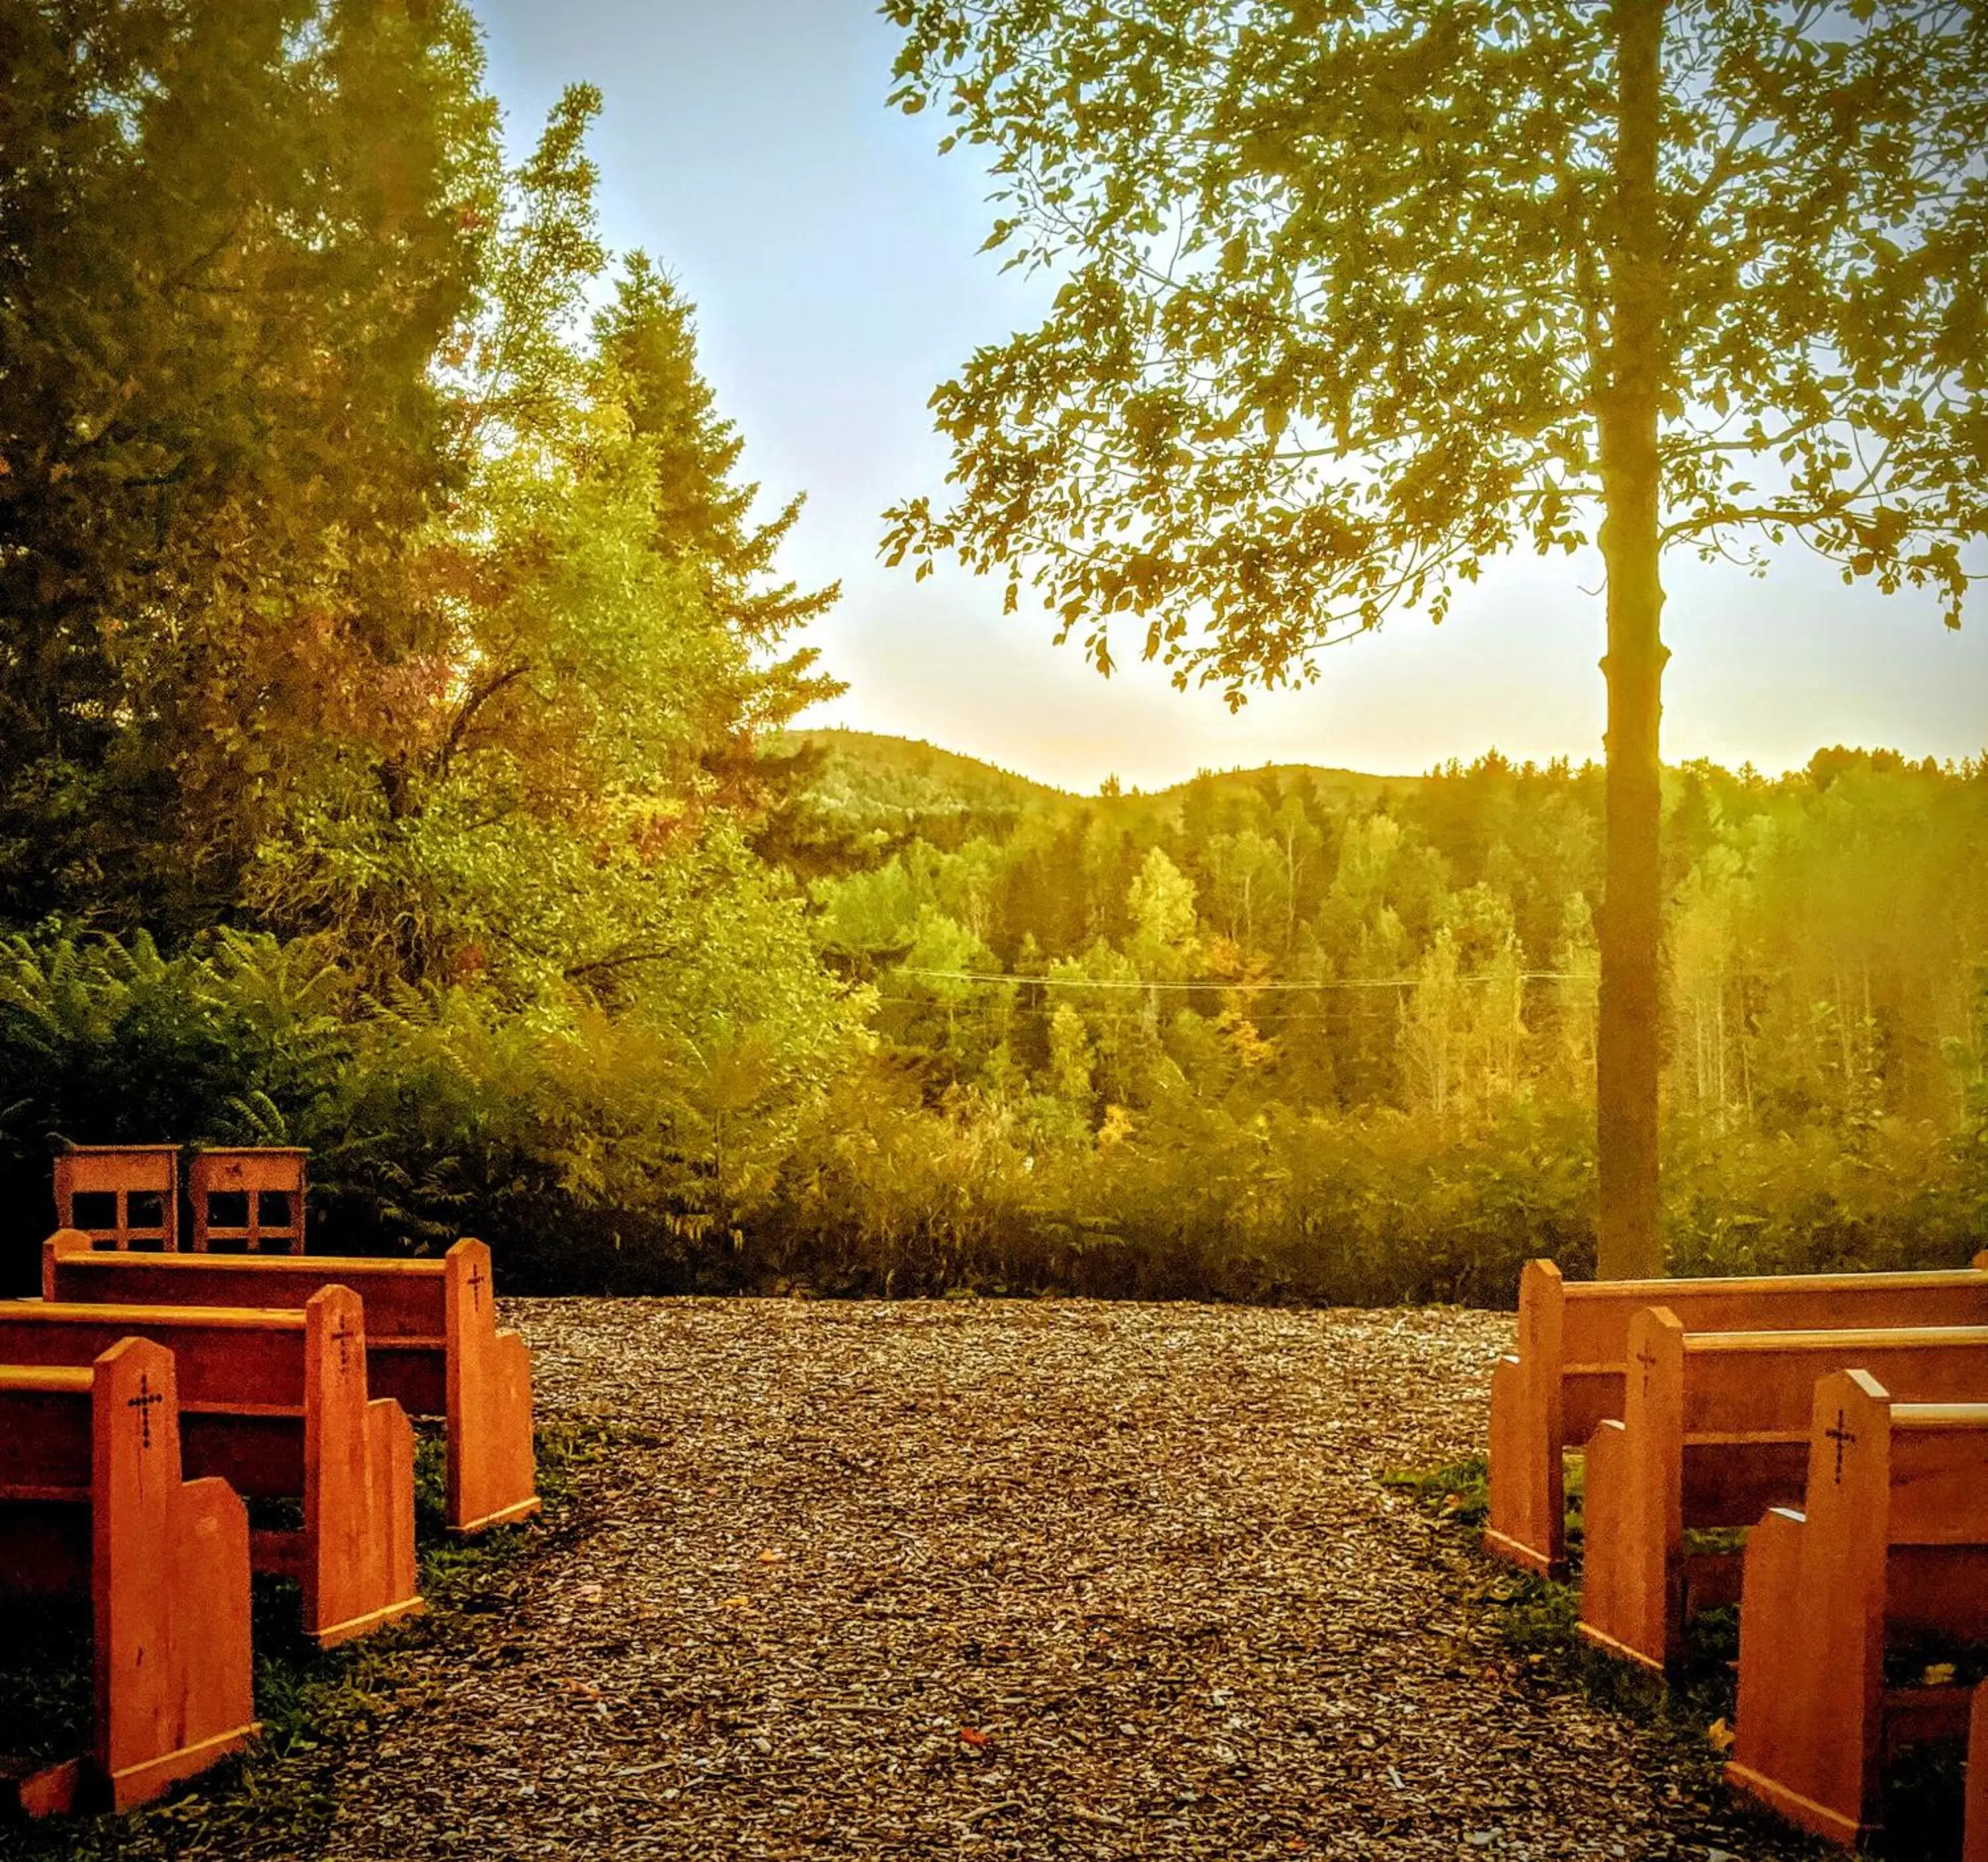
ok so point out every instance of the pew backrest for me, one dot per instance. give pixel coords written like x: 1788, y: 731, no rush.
x: 225, y: 1357
x: 407, y: 1301
x: 1565, y: 1375
x: 1591, y: 1320
x: 432, y: 1343
x: 1715, y: 1429
x: 276, y: 1402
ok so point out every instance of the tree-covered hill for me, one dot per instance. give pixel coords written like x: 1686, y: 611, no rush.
x: 864, y: 780
x: 1292, y: 1027
x: 870, y: 779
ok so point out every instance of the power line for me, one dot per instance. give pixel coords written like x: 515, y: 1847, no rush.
x: 996, y: 977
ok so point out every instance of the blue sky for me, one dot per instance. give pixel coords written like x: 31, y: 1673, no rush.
x: 833, y: 256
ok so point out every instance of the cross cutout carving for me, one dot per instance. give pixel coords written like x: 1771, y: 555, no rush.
x: 142, y: 1403
x: 477, y: 1279
x: 344, y: 1337
x: 1839, y: 1436
x: 1648, y: 1359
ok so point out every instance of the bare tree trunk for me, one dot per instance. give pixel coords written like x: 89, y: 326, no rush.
x: 1628, y: 1047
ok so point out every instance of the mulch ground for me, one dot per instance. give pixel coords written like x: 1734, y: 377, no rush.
x: 993, y: 1579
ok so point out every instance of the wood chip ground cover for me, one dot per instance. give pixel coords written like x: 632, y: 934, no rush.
x: 995, y: 1579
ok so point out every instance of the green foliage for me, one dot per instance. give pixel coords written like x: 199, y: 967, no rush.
x: 393, y: 646
x: 1347, y: 294
x: 1375, y: 1085
x: 1357, y: 299
x: 1460, y: 1490
x: 568, y: 760
x: 396, y: 679
x: 231, y: 239
x: 1184, y: 1118
x: 434, y: 1113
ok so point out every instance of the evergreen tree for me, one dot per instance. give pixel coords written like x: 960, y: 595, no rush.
x: 232, y: 238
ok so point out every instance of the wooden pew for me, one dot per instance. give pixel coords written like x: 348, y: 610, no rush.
x: 92, y: 1500
x: 431, y: 1344
x: 1891, y: 1545
x: 1715, y: 1429
x: 275, y: 1403
x: 1566, y: 1374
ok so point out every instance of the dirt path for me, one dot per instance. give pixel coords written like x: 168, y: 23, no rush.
x: 1007, y: 1579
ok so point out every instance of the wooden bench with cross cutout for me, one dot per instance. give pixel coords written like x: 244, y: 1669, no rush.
x: 1715, y: 1429
x: 1889, y: 1548
x: 276, y: 1404
x: 432, y: 1343
x: 1572, y: 1342
x: 92, y: 1503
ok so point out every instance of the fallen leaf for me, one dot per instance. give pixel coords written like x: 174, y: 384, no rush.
x: 973, y: 1735
x: 1937, y: 1674
x: 1718, y: 1736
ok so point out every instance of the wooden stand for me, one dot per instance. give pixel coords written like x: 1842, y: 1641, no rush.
x: 1573, y: 1344
x: 121, y: 1172
x: 276, y: 1402
x: 165, y: 1561
x: 432, y: 1343
x: 252, y: 1174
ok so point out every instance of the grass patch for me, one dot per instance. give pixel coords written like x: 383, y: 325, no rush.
x: 311, y: 1703
x: 1536, y: 1620
x: 1460, y: 1491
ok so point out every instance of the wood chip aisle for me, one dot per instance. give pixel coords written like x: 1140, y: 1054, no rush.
x: 995, y: 1579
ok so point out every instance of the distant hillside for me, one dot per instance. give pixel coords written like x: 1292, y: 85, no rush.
x: 871, y: 780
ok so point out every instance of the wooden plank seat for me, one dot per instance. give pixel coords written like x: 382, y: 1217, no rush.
x: 1566, y: 1373
x: 92, y: 1502
x: 275, y: 1403
x: 1715, y: 1429
x: 1890, y: 1547
x: 432, y: 1343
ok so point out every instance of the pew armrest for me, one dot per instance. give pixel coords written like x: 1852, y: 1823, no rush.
x: 492, y: 1465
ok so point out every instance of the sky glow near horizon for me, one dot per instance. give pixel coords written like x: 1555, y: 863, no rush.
x: 833, y: 256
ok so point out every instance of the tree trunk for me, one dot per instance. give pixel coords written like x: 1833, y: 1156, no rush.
x: 1627, y: 1046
